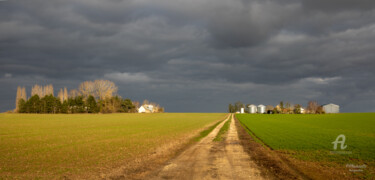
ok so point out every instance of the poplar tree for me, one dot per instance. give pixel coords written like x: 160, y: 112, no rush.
x: 60, y: 95
x: 65, y: 94
x: 21, y: 94
x: 18, y: 97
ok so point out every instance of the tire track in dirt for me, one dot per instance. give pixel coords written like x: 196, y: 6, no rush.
x: 212, y: 160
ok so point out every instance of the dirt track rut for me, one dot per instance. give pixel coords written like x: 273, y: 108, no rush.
x: 212, y: 160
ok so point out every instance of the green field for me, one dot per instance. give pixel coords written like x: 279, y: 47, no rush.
x: 311, y: 136
x: 45, y: 146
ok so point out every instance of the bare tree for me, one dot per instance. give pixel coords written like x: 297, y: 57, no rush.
x: 312, y: 106
x: 37, y: 90
x: 104, y: 89
x: 60, y: 95
x: 48, y: 90
x: 320, y: 110
x: 145, y: 102
x: 87, y: 88
x: 21, y: 94
x: 73, y: 93
x: 136, y: 104
x: 65, y: 94
x: 18, y: 97
x: 42, y: 91
x: 156, y: 107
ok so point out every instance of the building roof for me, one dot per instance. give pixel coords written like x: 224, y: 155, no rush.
x: 331, y: 104
x: 146, y: 107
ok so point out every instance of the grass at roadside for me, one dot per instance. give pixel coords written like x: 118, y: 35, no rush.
x: 220, y: 135
x: 48, y: 146
x: 315, y: 132
x: 308, y: 140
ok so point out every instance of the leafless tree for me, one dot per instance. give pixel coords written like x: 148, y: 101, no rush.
x: 65, y: 94
x: 136, y: 104
x: 37, y: 90
x: 320, y: 110
x: 42, y: 91
x: 312, y: 106
x: 104, y: 89
x: 48, y: 90
x: 60, y: 95
x: 73, y: 93
x: 87, y: 88
x: 21, y: 94
x: 145, y: 102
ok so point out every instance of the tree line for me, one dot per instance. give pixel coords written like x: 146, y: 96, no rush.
x: 282, y: 108
x: 99, y: 96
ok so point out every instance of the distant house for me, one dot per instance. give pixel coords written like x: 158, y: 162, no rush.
x: 261, y: 109
x: 303, y: 110
x: 269, y: 109
x: 252, y: 108
x: 331, y: 108
x: 277, y: 107
x: 146, y: 108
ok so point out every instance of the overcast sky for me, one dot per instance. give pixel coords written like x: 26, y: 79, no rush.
x: 194, y: 55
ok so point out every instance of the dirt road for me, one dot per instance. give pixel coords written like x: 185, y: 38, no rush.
x: 212, y: 160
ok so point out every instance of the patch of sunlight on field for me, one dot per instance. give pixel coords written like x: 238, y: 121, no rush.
x: 313, y: 135
x: 52, y: 145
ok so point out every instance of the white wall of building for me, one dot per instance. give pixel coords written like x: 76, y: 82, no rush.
x: 331, y: 108
x: 261, y: 109
x: 141, y: 110
x: 252, y: 109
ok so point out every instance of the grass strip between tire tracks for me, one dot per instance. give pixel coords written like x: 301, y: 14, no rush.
x: 222, y: 131
x: 207, y: 131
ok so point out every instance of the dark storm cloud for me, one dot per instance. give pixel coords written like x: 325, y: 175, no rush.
x: 338, y: 5
x: 194, y: 55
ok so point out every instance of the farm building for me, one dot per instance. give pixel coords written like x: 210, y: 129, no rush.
x: 146, y: 109
x: 303, y: 110
x: 331, y: 108
x: 261, y: 109
x: 252, y: 108
x: 242, y: 110
x: 269, y: 109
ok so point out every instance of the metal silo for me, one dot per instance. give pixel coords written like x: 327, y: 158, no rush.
x: 261, y: 109
x: 252, y: 108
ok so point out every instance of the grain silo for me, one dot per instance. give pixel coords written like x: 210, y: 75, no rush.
x: 261, y: 109
x: 252, y: 108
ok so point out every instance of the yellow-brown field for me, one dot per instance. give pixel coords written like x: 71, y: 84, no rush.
x: 85, y: 145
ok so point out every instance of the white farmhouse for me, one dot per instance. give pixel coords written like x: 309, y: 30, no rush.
x: 141, y: 110
x: 146, y: 108
x: 331, y: 108
x: 252, y: 108
x: 261, y: 109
